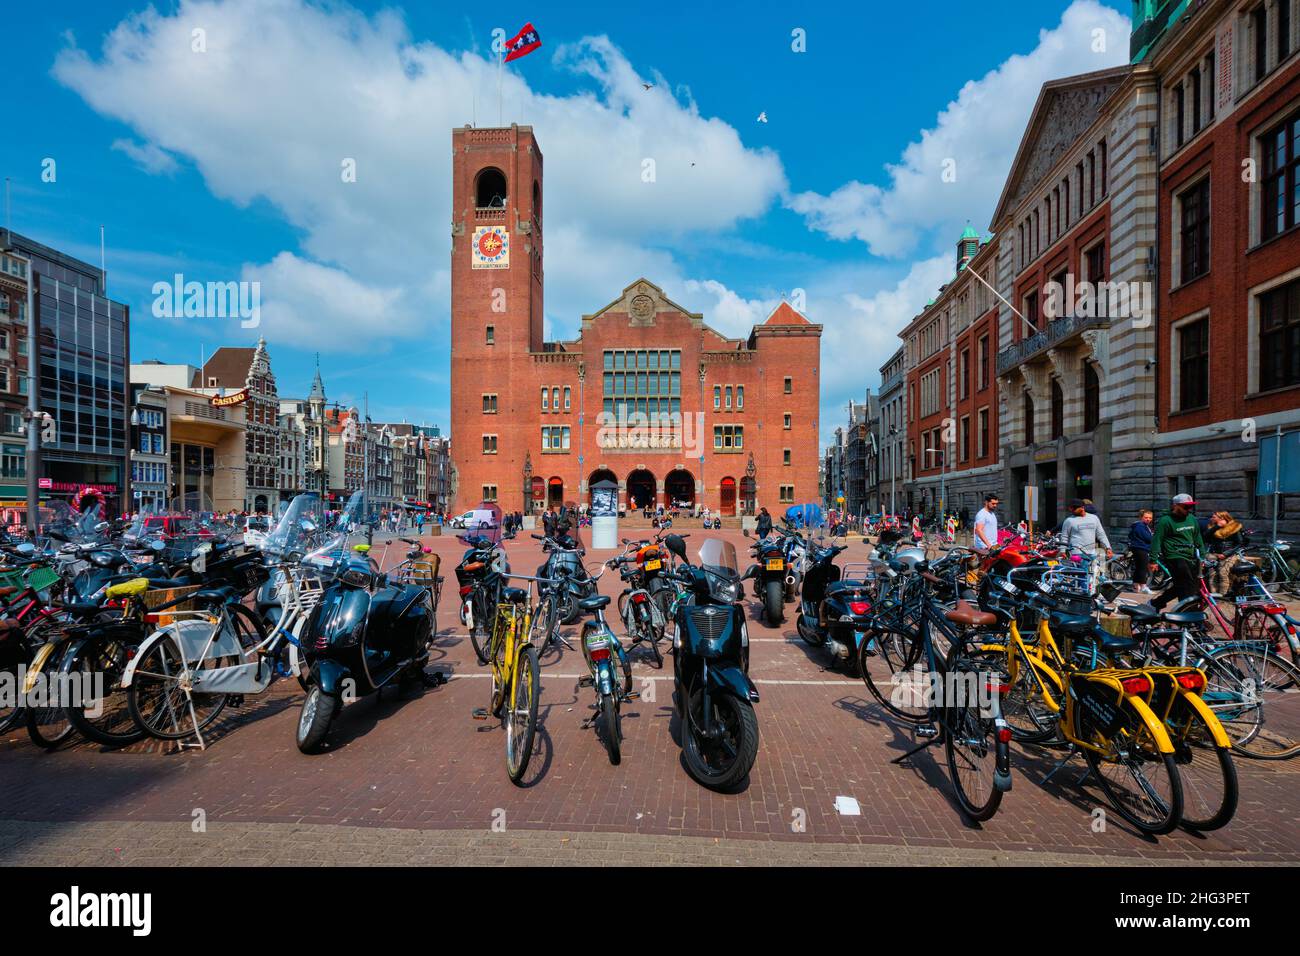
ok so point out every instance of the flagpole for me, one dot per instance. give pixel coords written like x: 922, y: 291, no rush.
x: 501, y: 60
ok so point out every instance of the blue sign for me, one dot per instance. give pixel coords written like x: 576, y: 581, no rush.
x: 1289, y: 474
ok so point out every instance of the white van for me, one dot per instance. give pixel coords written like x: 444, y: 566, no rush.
x: 479, y: 518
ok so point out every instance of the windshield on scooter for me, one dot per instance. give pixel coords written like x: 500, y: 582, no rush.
x: 718, y: 560
x: 66, y: 525
x: 350, y: 531
x: 299, y: 528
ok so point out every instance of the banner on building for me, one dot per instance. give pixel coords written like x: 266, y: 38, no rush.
x: 491, y: 248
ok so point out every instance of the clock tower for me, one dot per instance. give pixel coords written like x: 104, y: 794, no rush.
x: 496, y: 306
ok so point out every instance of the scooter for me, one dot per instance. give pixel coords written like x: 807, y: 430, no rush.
x: 769, y: 576
x: 712, y: 692
x: 364, y: 635
x: 564, y: 560
x: 835, y: 609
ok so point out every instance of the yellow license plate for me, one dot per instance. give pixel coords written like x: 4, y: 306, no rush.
x: 775, y: 564
x: 654, y: 565
x: 1052, y: 564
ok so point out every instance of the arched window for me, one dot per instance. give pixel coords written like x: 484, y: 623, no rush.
x: 490, y: 189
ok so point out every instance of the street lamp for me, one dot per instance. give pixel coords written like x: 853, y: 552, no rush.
x: 528, y: 483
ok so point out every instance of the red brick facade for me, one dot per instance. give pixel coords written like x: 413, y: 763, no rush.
x: 1240, y: 266
x: 528, y: 416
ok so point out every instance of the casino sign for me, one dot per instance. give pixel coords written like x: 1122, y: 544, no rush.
x: 491, y: 248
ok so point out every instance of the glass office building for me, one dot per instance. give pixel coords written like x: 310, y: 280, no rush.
x: 83, y: 341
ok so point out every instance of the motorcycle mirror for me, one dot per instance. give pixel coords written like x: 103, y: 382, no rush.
x: 158, y: 545
x: 750, y: 573
x: 27, y: 548
x: 102, y: 526
x: 676, y: 545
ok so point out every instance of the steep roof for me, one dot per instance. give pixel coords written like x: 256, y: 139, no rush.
x: 229, y: 366
x: 784, y: 314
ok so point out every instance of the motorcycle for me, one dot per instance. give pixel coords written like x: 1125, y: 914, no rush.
x: 564, y: 555
x: 712, y: 692
x: 836, y: 607
x: 600, y: 648
x: 363, y: 635
x: 480, y: 577
x: 769, y: 576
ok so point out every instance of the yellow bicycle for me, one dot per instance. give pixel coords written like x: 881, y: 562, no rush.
x: 1159, y: 753
x: 516, y: 679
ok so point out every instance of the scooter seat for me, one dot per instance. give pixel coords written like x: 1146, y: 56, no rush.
x: 594, y: 603
x: 514, y: 596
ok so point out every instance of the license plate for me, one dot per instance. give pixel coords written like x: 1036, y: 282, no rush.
x: 654, y: 565
x: 775, y: 564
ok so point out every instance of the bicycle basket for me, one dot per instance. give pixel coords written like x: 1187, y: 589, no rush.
x: 153, y: 599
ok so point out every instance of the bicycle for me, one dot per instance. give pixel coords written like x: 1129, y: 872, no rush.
x: 516, y: 679
x: 1141, y: 729
x: 954, y: 701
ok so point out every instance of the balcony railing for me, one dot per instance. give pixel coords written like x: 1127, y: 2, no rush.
x: 1057, y: 331
x: 891, y: 383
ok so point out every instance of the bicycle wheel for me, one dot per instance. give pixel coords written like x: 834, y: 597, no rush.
x: 970, y: 732
x: 896, y: 671
x: 480, y: 632
x: 1142, y: 784
x: 1255, y: 693
x: 1257, y: 624
x: 521, y: 716
x: 11, y: 708
x: 541, y: 629
x: 100, y: 711
x: 1208, y: 774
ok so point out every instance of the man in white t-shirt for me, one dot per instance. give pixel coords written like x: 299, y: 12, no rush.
x: 986, y: 525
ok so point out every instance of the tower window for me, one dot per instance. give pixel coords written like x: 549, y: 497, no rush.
x: 491, y: 334
x: 490, y: 189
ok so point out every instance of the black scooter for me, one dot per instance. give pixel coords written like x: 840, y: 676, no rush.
x: 769, y: 574
x: 835, y: 607
x: 712, y: 692
x: 364, y: 635
x: 564, y: 555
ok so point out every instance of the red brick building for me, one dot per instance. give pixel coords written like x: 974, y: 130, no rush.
x: 647, y: 395
x: 1228, y: 350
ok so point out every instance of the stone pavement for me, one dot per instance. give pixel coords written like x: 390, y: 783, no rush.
x: 415, y: 779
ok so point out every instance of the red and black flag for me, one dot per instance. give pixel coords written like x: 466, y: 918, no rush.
x: 523, y: 43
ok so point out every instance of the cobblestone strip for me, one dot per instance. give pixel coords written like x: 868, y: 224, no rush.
x: 140, y: 843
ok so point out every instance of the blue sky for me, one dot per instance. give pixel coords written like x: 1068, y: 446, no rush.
x: 224, y: 163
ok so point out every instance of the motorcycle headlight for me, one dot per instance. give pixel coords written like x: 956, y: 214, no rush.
x: 355, y: 578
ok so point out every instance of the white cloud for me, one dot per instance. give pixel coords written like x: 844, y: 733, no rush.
x: 979, y: 132
x: 287, y: 91
x: 147, y: 156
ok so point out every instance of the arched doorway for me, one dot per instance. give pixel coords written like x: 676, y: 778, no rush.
x: 640, y: 490
x: 600, y: 474
x: 555, y: 493
x: 679, y: 488
x: 728, y: 499
x: 537, y: 495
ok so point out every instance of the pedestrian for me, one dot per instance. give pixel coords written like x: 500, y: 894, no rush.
x: 1176, y: 542
x: 1225, y: 534
x: 917, y: 534
x: 985, y: 535
x: 1139, y: 549
x: 1084, y: 532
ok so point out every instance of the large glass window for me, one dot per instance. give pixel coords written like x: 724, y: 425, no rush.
x: 1279, y: 337
x: 1195, y: 232
x: 1194, y: 364
x: 1280, y: 186
x: 642, y: 381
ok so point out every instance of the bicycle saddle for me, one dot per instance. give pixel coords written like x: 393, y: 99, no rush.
x: 1184, y: 617
x: 594, y: 603
x: 1141, y: 612
x: 970, y: 616
x: 1061, y: 621
x: 514, y: 596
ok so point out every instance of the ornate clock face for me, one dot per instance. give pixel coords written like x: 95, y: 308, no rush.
x: 491, y: 248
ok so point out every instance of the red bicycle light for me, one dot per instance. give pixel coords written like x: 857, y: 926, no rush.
x: 600, y: 653
x: 1004, y: 735
x: 1136, y: 685
x: 1274, y: 609
x: 152, y: 618
x: 466, y: 589
x: 1193, y: 682
x: 1000, y: 688
x: 859, y: 607
x: 640, y: 597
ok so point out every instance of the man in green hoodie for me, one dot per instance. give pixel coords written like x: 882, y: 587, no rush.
x: 1177, y: 543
